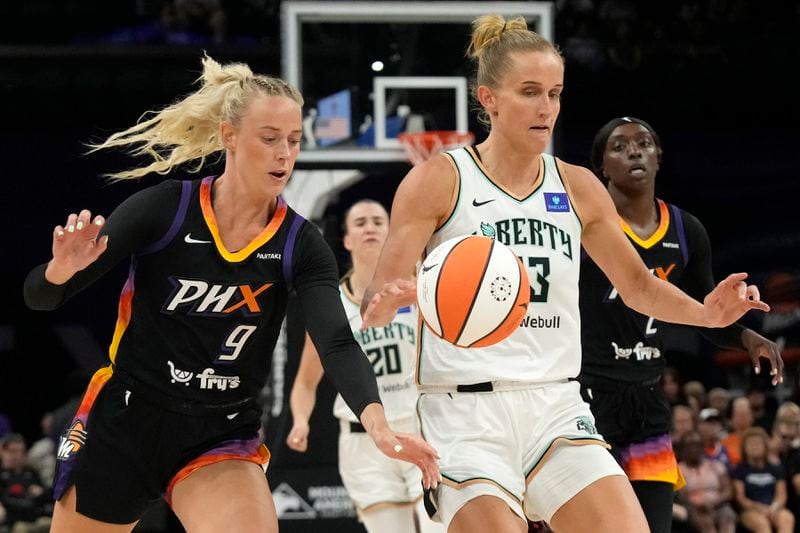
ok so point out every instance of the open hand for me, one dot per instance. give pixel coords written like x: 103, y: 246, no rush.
x: 75, y: 246
x: 384, y: 304
x: 731, y: 299
x: 411, y: 449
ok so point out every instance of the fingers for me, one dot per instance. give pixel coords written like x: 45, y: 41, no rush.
x: 72, y: 219
x: 734, y: 278
x: 83, y: 220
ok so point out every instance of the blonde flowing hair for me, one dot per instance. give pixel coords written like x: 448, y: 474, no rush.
x: 188, y: 129
x: 494, y: 39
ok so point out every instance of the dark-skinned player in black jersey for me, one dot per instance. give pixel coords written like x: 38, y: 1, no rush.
x: 212, y: 263
x: 623, y: 350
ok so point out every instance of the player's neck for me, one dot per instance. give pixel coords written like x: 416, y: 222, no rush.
x: 635, y: 209
x: 360, y: 278
x: 235, y: 204
x: 515, y: 170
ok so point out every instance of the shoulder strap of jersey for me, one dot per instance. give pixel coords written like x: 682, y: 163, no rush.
x: 676, y: 216
x: 177, y: 221
x: 288, y: 250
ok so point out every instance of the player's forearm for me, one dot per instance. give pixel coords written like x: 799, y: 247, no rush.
x: 664, y: 301
x: 302, y: 401
x: 373, y: 418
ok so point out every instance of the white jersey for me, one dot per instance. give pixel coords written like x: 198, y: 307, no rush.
x: 391, y: 350
x: 544, y: 231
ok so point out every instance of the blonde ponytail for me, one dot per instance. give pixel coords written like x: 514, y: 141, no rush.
x: 188, y: 130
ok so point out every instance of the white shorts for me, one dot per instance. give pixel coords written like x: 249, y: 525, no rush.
x: 370, y: 477
x: 523, y: 446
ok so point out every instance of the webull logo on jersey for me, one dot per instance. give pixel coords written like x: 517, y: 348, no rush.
x: 206, y: 298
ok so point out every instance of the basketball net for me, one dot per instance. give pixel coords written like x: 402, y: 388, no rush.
x: 421, y: 146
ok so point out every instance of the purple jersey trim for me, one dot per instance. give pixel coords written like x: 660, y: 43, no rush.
x: 676, y: 214
x: 177, y: 222
x: 288, y: 250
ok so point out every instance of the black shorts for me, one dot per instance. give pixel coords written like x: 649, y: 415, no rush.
x: 122, y: 451
x: 627, y: 413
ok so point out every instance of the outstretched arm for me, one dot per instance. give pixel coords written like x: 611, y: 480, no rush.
x: 698, y: 280
x: 607, y: 245
x: 422, y: 202
x: 343, y: 360
x: 87, y: 247
x: 304, y: 396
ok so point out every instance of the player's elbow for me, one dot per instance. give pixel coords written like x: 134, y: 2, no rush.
x: 638, y: 292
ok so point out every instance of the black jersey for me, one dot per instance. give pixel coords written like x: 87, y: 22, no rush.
x: 621, y: 344
x: 197, y: 323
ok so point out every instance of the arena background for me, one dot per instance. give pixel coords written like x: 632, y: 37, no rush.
x: 718, y: 80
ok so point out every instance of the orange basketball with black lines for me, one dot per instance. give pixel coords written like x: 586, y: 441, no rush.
x: 472, y: 291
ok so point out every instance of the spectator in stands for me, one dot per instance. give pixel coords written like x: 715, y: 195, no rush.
x: 761, y: 486
x: 22, y: 495
x: 709, y: 427
x: 696, y: 397
x: 42, y: 454
x: 672, y: 386
x: 763, y: 416
x: 784, y: 435
x: 682, y: 422
x: 720, y: 399
x: 708, y: 489
x: 741, y: 421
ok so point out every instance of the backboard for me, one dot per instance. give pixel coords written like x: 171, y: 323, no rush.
x: 372, y: 70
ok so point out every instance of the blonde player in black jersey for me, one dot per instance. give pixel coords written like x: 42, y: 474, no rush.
x: 514, y: 435
x: 624, y: 351
x: 387, y: 493
x: 175, y: 414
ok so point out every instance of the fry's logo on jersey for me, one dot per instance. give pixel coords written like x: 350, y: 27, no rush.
x: 213, y: 298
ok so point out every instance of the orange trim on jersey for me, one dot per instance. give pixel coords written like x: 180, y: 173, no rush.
x: 260, y: 240
x: 123, y: 316
x: 656, y: 236
x: 537, y: 182
x: 260, y: 457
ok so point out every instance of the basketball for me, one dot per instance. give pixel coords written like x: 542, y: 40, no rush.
x: 472, y: 291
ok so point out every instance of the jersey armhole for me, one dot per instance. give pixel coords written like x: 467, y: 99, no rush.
x: 676, y: 215
x: 288, y: 251
x: 453, y: 201
x: 561, y: 176
x: 177, y: 221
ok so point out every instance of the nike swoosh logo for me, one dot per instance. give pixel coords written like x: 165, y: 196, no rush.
x: 426, y: 268
x: 189, y: 240
x: 476, y: 203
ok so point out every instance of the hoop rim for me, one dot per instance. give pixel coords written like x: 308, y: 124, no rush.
x: 420, y: 146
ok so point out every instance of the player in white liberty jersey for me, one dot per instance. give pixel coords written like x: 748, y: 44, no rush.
x: 514, y: 436
x: 386, y: 493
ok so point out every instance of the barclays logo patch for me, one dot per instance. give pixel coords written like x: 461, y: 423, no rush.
x: 556, y: 202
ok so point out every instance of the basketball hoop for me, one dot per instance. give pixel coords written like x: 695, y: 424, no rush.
x: 421, y: 146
